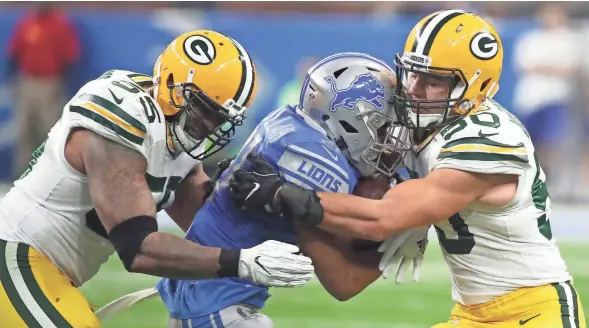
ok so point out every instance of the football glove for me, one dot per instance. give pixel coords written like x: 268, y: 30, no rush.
x: 222, y: 165
x: 263, y: 189
x: 256, y: 189
x: 275, y: 264
x: 400, y: 251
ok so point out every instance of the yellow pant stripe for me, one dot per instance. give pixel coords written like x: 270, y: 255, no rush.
x: 569, y: 310
x: 9, y: 317
x: 34, y: 293
x: 35, y: 290
x: 12, y: 292
x: 23, y: 291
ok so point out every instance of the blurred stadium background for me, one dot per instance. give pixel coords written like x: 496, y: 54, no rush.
x: 284, y: 39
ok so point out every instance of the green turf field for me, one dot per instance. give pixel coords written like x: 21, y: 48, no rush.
x: 383, y: 304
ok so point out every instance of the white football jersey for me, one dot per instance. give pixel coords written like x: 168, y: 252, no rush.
x: 49, y: 207
x: 492, y: 251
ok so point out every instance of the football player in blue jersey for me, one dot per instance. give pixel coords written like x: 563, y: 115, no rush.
x: 340, y: 131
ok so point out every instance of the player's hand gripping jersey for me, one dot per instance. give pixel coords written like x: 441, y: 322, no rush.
x: 60, y: 221
x: 302, y: 154
x: 492, y: 251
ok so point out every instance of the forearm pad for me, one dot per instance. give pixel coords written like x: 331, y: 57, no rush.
x: 300, y: 204
x: 127, y: 237
x: 229, y: 263
x: 360, y: 245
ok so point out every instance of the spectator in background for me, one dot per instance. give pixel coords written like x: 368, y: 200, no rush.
x: 547, y: 61
x: 42, y: 49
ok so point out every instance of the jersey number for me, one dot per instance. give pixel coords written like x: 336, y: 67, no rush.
x: 165, y: 185
x: 483, y: 119
x: 465, y: 241
x: 150, y: 109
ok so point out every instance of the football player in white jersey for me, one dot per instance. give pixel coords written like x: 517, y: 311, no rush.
x: 476, y: 179
x: 125, y: 147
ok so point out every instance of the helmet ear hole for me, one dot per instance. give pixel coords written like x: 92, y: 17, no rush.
x: 348, y: 127
x: 339, y: 72
x: 170, y: 80
x: 484, y: 84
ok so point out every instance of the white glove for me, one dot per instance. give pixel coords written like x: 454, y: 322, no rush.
x: 406, y: 247
x: 275, y: 264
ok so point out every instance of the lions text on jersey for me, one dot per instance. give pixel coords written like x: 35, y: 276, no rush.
x: 302, y: 154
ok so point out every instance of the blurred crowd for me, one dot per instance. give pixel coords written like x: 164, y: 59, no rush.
x: 495, y: 9
x: 551, y: 94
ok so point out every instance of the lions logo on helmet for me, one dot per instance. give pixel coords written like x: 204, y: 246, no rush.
x: 457, y: 46
x: 204, y: 81
x: 364, y: 87
x: 349, y: 96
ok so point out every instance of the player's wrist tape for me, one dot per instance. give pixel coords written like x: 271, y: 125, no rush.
x: 301, y: 204
x: 360, y: 245
x: 229, y: 263
x: 127, y: 237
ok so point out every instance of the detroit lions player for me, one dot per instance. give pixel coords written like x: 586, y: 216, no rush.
x: 339, y: 132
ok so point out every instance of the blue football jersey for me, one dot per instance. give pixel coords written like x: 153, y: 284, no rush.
x: 302, y: 154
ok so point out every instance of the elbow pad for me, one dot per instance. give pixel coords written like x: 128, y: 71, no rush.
x: 127, y: 237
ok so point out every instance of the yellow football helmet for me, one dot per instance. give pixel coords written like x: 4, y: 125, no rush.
x: 204, y: 81
x: 449, y: 44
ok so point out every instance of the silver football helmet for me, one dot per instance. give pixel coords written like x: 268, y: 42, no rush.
x: 350, y: 96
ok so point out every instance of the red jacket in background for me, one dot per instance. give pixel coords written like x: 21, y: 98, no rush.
x: 43, y: 45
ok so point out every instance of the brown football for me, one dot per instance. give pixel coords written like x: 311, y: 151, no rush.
x: 373, y: 188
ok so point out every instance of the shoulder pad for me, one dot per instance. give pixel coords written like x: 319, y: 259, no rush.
x: 486, y: 139
x: 113, y: 109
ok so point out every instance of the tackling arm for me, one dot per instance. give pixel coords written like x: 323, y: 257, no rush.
x: 414, y: 203
x: 124, y: 203
x: 190, y: 196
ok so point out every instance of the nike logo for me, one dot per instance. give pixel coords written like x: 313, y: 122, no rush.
x: 260, y: 264
x: 333, y: 155
x: 523, y: 322
x: 484, y: 135
x: 117, y: 100
x: 256, y: 187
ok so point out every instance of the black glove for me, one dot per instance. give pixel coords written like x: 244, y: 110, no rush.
x: 222, y: 166
x: 256, y: 190
x: 209, y: 186
x: 263, y: 189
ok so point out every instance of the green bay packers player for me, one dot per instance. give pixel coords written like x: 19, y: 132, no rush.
x: 476, y: 179
x: 125, y: 147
